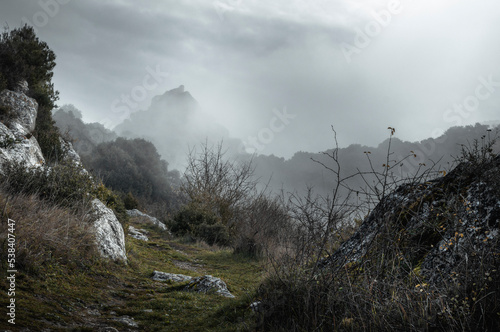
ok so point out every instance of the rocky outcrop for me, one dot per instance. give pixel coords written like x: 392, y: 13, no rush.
x: 70, y: 155
x: 439, y: 227
x: 110, y: 238
x: 138, y: 214
x: 204, y: 284
x: 137, y: 233
x: 163, y: 276
x: 18, y: 112
x: 22, y: 110
x: 209, y: 284
x: 18, y: 122
x: 127, y: 321
x: 19, y: 148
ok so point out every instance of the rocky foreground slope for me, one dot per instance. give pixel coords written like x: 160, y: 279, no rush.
x: 18, y: 145
x: 427, y: 258
x: 441, y: 227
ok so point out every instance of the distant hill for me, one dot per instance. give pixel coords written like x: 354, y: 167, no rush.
x: 85, y: 136
x: 175, y: 123
x: 125, y: 165
x: 300, y: 171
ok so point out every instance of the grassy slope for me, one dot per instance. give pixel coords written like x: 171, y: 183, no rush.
x: 66, y: 298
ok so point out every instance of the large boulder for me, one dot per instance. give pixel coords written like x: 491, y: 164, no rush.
x: 110, y: 237
x: 19, y: 148
x: 22, y: 111
x: 18, y: 122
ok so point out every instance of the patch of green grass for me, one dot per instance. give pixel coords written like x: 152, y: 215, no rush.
x: 61, y: 297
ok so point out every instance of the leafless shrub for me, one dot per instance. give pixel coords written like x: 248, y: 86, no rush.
x: 217, y: 184
x: 382, y: 291
x: 481, y: 150
x: 264, y: 227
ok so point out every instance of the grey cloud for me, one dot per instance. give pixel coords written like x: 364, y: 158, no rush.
x: 259, y: 56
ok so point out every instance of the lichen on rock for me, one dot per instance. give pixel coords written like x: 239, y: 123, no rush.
x: 16, y: 140
x: 173, y: 277
x: 153, y: 220
x: 209, y: 284
x: 110, y: 238
x: 440, y: 227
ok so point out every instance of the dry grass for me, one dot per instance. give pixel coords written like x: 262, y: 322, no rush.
x: 46, y: 233
x: 384, y: 289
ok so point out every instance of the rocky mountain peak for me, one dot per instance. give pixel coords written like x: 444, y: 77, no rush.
x: 175, y: 98
x: 178, y: 90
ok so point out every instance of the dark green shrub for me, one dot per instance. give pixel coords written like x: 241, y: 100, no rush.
x: 62, y: 184
x: 130, y: 201
x: 112, y: 200
x: 24, y: 56
x: 248, y: 247
x: 47, y: 135
x: 201, y: 224
x: 213, y: 234
x: 132, y: 166
x: 189, y: 217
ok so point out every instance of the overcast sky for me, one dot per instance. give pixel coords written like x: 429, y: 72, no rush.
x: 360, y: 66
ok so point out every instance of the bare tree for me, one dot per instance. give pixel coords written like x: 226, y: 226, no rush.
x: 216, y: 183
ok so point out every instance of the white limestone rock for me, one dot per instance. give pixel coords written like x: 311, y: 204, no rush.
x: 126, y: 320
x: 153, y: 220
x: 110, y: 237
x: 163, y: 276
x: 16, y: 142
x: 69, y: 153
x: 23, y: 111
x: 19, y: 149
x: 209, y: 284
x: 204, y: 284
x: 137, y: 233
